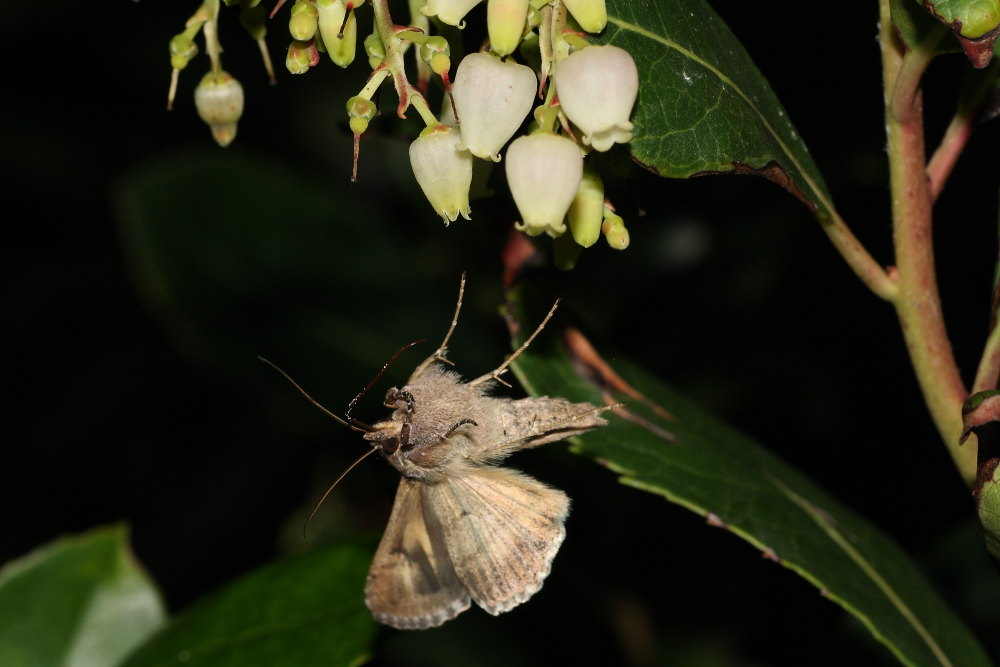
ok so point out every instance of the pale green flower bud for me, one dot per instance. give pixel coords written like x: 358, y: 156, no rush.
x: 592, y: 15
x: 435, y: 52
x: 360, y: 111
x: 614, y: 231
x: 505, y: 22
x: 298, y: 60
x: 220, y: 104
x: 304, y: 21
x: 492, y: 98
x: 597, y: 87
x: 443, y: 170
x: 375, y: 50
x: 334, y: 17
x: 182, y: 50
x: 449, y: 11
x: 587, y: 210
x: 543, y: 173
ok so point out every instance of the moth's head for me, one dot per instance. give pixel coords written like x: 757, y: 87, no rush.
x: 386, y: 437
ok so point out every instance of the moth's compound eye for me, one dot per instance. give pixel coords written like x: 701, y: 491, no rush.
x: 390, y: 445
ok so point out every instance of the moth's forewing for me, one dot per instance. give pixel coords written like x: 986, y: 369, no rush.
x: 502, y: 530
x: 530, y: 422
x: 412, y: 583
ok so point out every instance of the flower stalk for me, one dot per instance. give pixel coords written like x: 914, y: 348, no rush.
x: 917, y: 302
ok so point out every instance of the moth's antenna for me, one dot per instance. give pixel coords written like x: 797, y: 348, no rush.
x: 502, y: 368
x: 440, y: 352
x: 354, y: 401
x: 342, y: 476
x: 313, y: 400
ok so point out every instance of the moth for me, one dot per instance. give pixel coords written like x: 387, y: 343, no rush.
x: 462, y: 528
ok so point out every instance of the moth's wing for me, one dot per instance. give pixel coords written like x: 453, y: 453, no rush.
x: 412, y: 583
x: 502, y: 529
x: 529, y: 422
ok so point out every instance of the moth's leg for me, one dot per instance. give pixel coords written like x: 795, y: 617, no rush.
x: 460, y: 424
x: 404, y: 436
x: 443, y: 349
x: 502, y: 368
x: 394, y: 396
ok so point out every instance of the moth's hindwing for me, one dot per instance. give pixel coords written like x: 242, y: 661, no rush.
x: 412, y: 583
x: 502, y: 530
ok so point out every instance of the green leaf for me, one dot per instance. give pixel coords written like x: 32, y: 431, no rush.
x: 663, y: 444
x: 79, y: 601
x: 703, y: 106
x: 967, y: 18
x: 307, y: 610
x: 918, y: 27
x: 975, y: 24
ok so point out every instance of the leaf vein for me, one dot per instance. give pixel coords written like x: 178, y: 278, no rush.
x: 827, y: 526
x: 623, y: 25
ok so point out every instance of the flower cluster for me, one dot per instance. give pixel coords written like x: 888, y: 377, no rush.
x: 587, y: 93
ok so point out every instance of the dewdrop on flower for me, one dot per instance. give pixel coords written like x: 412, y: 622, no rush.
x: 449, y: 11
x: 492, y: 98
x: 443, y: 170
x: 597, y: 87
x: 543, y: 173
x: 220, y: 104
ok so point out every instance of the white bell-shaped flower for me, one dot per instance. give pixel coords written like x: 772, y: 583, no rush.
x: 592, y: 15
x: 543, y: 173
x: 449, y: 11
x: 492, y: 98
x: 443, y: 170
x: 219, y: 101
x: 597, y: 87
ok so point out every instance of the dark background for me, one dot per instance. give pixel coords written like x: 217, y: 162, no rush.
x: 132, y: 399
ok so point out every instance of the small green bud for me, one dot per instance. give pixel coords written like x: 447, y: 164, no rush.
x: 303, y: 21
x: 182, y: 50
x: 220, y: 104
x: 592, y: 15
x: 434, y: 44
x: 360, y: 110
x: 435, y: 52
x: 375, y: 50
x: 614, y: 230
x: 298, y: 59
x: 339, y: 29
x: 449, y: 11
x: 505, y: 21
x: 587, y: 210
